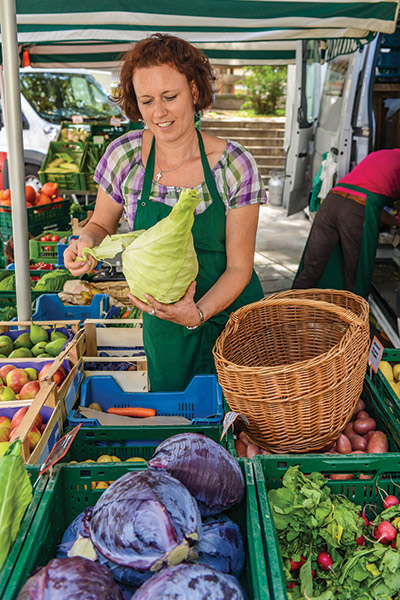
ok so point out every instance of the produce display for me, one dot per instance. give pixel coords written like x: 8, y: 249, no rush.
x: 392, y: 374
x: 47, y: 194
x: 48, y: 282
x: 333, y: 549
x: 38, y: 342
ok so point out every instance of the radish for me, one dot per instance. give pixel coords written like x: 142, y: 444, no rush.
x: 324, y: 561
x: 291, y: 585
x: 296, y: 564
x: 385, y: 532
x: 390, y: 501
x: 360, y: 541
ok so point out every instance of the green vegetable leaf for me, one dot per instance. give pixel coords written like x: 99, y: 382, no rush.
x: 15, y: 495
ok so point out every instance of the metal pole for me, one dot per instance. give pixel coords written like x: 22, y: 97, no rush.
x: 15, y: 152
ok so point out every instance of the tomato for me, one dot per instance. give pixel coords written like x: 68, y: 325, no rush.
x: 54, y: 238
x: 48, y: 248
x: 50, y: 189
x: 42, y: 199
x: 43, y: 238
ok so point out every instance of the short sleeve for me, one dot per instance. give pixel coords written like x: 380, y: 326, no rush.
x: 243, y: 179
x: 114, y: 166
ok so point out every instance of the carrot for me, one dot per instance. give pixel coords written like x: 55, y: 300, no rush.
x: 132, y: 411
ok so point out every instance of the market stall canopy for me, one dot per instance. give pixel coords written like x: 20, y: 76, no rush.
x: 95, y: 33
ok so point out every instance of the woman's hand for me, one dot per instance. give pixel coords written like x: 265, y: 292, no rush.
x: 184, y: 312
x: 74, y: 251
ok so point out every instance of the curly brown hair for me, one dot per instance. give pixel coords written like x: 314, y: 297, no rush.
x: 161, y: 49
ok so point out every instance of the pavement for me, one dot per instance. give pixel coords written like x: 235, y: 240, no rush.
x: 279, y: 246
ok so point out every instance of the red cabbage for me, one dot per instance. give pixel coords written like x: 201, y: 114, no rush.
x: 79, y: 526
x: 221, y: 546
x: 69, y: 579
x: 144, y: 520
x: 204, y: 467
x: 190, y: 582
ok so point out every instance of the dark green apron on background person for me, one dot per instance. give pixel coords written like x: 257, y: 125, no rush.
x: 333, y: 276
x: 174, y: 353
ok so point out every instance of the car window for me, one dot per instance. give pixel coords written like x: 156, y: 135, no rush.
x: 58, y: 97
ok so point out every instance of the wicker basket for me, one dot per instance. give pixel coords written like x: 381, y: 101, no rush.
x: 295, y: 368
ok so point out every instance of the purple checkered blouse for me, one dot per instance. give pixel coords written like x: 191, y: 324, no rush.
x: 120, y: 173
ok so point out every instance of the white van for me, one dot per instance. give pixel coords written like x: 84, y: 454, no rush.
x: 49, y: 97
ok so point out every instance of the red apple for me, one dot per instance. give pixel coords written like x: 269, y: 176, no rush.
x: 19, y: 415
x: 43, y: 427
x: 58, y: 376
x: 5, y: 421
x: 33, y: 437
x: 29, y: 390
x: 6, y: 369
x: 16, y: 379
x: 4, y: 433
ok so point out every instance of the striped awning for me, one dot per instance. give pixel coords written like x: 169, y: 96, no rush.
x: 95, y: 33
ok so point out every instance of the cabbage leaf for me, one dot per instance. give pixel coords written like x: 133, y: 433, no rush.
x: 161, y: 260
x: 15, y: 495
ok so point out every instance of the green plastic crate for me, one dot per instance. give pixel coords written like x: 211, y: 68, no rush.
x: 127, y: 442
x: 69, y: 492
x: 46, y: 251
x: 66, y: 181
x: 374, y: 405
x: 386, y: 392
x: 53, y: 215
x: 269, y: 470
x: 8, y: 566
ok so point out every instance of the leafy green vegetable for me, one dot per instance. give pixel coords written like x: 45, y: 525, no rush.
x: 15, y: 495
x: 161, y: 260
x: 53, y: 281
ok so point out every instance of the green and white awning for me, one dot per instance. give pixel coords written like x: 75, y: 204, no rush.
x: 95, y: 33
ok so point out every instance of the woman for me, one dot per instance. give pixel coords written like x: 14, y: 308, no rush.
x: 164, y: 82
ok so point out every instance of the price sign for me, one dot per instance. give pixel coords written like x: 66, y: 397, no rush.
x: 229, y: 420
x: 375, y: 353
x: 60, y: 449
x: 77, y: 118
x: 115, y: 122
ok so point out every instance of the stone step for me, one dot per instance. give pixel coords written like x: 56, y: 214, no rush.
x: 242, y: 123
x: 235, y: 132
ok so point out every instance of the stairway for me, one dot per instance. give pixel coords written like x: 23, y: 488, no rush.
x: 264, y: 139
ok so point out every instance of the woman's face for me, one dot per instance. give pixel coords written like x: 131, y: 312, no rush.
x: 165, y: 100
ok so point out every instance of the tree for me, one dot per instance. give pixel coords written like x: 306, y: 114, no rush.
x: 265, y: 85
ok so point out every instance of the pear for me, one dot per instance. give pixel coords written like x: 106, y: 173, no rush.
x: 3, y: 356
x: 55, y: 335
x: 20, y: 353
x: 23, y: 341
x: 38, y: 334
x: 54, y: 348
x: 6, y: 345
x: 39, y: 348
x: 44, y: 355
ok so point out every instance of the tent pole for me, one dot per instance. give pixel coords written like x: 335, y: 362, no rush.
x: 13, y: 120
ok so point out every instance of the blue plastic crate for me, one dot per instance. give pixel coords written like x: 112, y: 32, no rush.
x: 61, y: 248
x: 49, y: 307
x: 201, y: 402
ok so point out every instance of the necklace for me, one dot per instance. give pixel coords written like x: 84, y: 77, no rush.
x: 162, y: 171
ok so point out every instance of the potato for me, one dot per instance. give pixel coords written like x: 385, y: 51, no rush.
x: 378, y: 443
x: 362, y: 415
x: 362, y: 426
x: 241, y: 449
x: 95, y: 406
x: 252, y: 450
x: 243, y: 438
x: 262, y: 451
x: 359, y: 406
x: 358, y: 442
x: 343, y: 444
x: 367, y: 436
x: 348, y: 430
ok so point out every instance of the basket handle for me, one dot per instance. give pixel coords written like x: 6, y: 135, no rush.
x: 347, y: 315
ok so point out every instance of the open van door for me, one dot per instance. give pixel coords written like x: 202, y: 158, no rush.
x: 345, y: 122
x: 297, y: 185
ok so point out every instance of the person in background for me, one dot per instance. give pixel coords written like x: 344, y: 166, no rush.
x: 165, y: 81
x: 340, y: 251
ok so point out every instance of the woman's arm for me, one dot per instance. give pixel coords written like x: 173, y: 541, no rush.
x: 241, y: 229
x: 104, y: 221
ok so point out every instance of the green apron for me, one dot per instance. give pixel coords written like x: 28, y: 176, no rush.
x: 333, y: 276
x: 174, y: 353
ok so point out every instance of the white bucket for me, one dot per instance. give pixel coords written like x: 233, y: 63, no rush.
x: 275, y: 188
